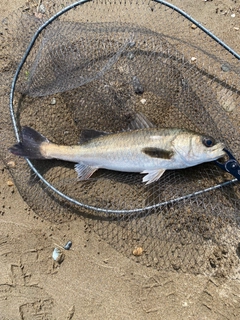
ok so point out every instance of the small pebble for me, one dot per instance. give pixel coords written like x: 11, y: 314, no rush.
x: 193, y: 26
x: 132, y: 44
x: 57, y: 255
x: 138, y: 251
x: 193, y: 59
x: 11, y: 164
x: 68, y: 245
x: 233, y: 15
x: 143, y: 101
x: 10, y: 183
x: 225, y: 67
x: 53, y: 101
x: 42, y: 9
x: 236, y: 28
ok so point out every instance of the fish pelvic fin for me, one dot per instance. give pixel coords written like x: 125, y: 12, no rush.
x: 152, y: 175
x: 30, y: 146
x: 84, y: 171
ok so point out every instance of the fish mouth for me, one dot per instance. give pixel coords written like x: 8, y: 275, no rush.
x: 218, y: 150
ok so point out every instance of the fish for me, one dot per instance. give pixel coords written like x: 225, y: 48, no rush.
x: 145, y: 149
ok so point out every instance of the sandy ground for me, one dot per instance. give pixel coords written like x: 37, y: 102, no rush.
x: 95, y: 281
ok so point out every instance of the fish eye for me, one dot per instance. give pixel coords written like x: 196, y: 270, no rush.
x: 208, y: 142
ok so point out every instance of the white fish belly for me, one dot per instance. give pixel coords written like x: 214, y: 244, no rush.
x: 128, y: 162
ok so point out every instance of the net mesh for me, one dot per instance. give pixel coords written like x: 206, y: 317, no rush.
x: 93, y: 67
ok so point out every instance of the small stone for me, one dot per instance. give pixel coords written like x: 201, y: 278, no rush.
x: 225, y: 67
x: 132, y: 44
x: 57, y: 255
x: 10, y: 183
x: 68, y: 245
x: 193, y: 26
x: 236, y: 28
x: 233, y: 15
x: 11, y: 164
x: 53, y: 101
x: 143, y: 101
x: 193, y: 59
x: 138, y: 251
x: 42, y: 9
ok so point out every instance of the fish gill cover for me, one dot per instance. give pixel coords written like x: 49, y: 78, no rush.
x: 96, y: 66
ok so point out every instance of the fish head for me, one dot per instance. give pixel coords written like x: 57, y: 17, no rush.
x: 195, y: 148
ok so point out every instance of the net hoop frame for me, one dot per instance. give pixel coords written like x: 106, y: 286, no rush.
x: 32, y: 167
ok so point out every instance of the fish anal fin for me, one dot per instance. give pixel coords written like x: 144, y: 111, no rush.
x: 84, y: 171
x: 89, y: 134
x: 158, y: 153
x: 152, y: 175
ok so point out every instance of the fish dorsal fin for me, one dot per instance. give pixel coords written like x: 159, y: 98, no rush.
x: 140, y: 122
x: 89, y: 134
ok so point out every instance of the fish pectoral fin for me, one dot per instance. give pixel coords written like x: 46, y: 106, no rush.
x: 84, y: 171
x: 152, y: 175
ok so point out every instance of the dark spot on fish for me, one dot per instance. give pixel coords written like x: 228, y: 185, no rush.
x: 158, y: 153
x: 208, y: 142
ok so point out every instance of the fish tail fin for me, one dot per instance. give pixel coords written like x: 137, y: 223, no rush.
x: 30, y: 146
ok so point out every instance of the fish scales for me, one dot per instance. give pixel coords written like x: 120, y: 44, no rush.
x: 125, y: 149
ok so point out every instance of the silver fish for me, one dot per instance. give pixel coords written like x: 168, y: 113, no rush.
x: 149, y: 151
